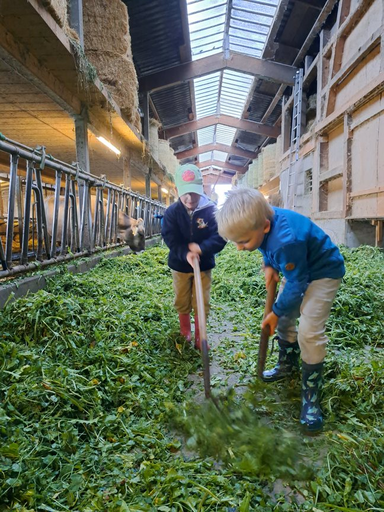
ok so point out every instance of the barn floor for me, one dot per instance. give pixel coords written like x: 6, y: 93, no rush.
x: 101, y: 403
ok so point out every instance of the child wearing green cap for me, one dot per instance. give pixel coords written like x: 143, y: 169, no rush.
x: 190, y: 230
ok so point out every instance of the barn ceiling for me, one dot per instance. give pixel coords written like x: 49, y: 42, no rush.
x: 167, y: 35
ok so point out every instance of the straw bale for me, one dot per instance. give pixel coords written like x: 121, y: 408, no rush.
x: 137, y: 121
x: 118, y: 74
x: 167, y: 157
x: 154, y: 126
x: 269, y: 161
x: 58, y: 10
x: 106, y: 27
x: 261, y: 168
x: 312, y: 101
x: 255, y: 165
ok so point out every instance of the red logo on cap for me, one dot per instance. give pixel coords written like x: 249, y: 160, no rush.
x: 188, y: 175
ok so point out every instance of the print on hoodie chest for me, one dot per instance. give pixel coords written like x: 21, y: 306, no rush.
x: 201, y: 224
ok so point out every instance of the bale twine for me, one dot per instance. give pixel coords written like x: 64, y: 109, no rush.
x: 269, y: 161
x: 107, y: 45
x: 154, y: 126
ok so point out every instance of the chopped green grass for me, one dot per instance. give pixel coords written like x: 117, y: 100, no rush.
x: 91, y: 367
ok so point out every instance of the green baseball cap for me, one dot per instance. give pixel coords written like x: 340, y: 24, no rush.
x: 188, y: 179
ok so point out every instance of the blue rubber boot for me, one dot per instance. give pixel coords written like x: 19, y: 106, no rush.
x: 288, y: 361
x: 311, y: 417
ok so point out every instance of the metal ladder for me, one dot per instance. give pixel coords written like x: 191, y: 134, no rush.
x: 295, y: 139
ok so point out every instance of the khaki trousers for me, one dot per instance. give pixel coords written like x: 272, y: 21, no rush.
x: 313, y: 312
x: 184, y: 287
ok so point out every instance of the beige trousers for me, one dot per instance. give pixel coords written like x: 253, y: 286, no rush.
x: 184, y: 287
x: 313, y: 312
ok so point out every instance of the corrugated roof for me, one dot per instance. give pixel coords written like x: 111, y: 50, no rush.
x: 156, y: 34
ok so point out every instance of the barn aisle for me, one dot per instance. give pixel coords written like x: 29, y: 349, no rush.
x: 96, y: 385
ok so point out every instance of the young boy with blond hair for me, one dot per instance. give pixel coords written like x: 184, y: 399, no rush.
x: 190, y: 230
x: 312, y: 268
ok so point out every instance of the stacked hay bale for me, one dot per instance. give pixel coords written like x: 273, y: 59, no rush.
x: 167, y: 156
x: 154, y: 126
x: 269, y: 162
x: 260, y: 160
x: 249, y: 175
x: 107, y: 45
x: 58, y: 10
x: 241, y: 180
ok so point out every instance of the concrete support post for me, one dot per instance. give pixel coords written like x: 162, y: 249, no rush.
x: 76, y: 18
x: 148, y: 183
x: 127, y: 175
x: 82, y: 155
x: 82, y: 149
x: 159, y: 193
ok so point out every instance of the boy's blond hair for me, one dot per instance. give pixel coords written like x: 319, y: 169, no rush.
x: 244, y: 210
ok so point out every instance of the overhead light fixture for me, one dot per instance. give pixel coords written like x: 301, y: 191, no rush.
x: 164, y: 190
x: 109, y: 145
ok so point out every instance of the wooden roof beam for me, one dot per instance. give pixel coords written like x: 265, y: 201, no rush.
x: 272, y: 71
x: 232, y: 150
x: 240, y: 124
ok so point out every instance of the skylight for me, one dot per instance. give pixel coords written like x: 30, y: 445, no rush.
x: 221, y: 25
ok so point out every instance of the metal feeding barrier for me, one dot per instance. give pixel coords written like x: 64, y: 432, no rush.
x: 85, y: 210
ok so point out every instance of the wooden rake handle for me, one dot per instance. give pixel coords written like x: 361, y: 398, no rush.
x: 203, y: 329
x: 265, y: 332
x: 200, y: 300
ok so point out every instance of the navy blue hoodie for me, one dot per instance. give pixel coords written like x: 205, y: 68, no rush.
x: 180, y: 229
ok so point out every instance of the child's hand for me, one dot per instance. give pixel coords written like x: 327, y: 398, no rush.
x: 271, y: 319
x: 191, y: 256
x: 270, y: 274
x: 195, y: 248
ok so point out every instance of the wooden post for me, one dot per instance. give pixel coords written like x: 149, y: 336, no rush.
x: 76, y: 18
x: 379, y: 233
x: 286, y: 118
x: 347, y: 165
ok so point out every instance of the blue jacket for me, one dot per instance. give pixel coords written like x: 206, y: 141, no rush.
x: 302, y: 252
x: 180, y: 229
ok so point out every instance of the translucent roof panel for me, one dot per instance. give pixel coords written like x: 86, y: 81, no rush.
x: 220, y: 156
x: 203, y: 157
x: 249, y: 25
x: 234, y: 92
x: 207, y: 94
x: 206, y: 20
x: 225, y: 134
x: 206, y: 135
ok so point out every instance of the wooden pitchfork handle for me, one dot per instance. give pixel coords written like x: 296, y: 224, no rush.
x: 265, y: 332
x: 202, y: 327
